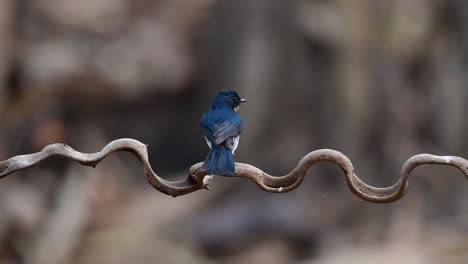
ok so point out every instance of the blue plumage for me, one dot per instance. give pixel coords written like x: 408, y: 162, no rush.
x: 222, y: 126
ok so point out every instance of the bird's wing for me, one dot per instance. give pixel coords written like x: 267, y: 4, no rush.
x: 207, y: 127
x: 227, y: 130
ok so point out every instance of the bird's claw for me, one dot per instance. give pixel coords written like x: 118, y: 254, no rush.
x: 206, y: 180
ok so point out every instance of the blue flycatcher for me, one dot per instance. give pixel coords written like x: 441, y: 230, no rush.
x: 222, y: 126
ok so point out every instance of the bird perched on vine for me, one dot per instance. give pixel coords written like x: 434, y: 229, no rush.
x: 222, y: 126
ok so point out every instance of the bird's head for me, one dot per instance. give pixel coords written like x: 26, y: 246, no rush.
x: 227, y: 98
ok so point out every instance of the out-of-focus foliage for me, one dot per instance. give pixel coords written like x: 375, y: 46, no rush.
x: 378, y: 80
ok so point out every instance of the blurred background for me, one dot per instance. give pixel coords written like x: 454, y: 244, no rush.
x: 377, y: 80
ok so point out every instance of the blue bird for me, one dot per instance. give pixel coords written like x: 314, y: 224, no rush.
x: 222, y: 126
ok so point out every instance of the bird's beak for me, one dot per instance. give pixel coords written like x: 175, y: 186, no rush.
x: 243, y: 100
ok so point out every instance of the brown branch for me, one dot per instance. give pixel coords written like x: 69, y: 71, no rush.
x: 197, y: 178
x: 188, y: 185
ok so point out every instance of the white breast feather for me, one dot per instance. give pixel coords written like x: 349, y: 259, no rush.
x: 208, y: 142
x: 236, y: 143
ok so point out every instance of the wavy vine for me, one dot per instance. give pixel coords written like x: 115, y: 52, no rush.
x: 198, y: 179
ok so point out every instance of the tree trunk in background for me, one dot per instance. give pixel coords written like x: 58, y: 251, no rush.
x: 7, y: 14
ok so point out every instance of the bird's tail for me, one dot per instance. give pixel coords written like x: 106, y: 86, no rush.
x: 220, y: 161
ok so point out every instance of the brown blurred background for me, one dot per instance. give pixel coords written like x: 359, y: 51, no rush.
x: 378, y: 80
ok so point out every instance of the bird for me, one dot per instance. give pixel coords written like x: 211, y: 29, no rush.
x: 222, y: 126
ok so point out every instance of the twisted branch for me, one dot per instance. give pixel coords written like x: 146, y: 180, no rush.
x: 198, y: 179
